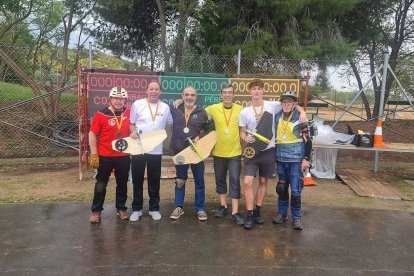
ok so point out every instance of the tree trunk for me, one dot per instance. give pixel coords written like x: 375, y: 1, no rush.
x: 26, y: 78
x: 163, y: 36
x: 360, y: 86
x: 377, y: 89
x: 68, y: 30
x: 182, y: 23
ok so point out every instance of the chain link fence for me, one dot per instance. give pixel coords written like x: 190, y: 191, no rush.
x: 38, y: 116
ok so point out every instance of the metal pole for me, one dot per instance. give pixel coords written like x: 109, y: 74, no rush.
x: 305, y: 102
x: 238, y: 61
x: 356, y: 96
x: 90, y: 55
x: 381, y: 107
x: 402, y: 88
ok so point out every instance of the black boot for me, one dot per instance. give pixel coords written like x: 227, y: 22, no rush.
x: 257, y: 218
x: 249, y: 222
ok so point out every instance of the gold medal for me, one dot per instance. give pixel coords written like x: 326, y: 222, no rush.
x: 187, y: 119
x: 227, y: 120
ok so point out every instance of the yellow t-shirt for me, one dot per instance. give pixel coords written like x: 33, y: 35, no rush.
x: 227, y: 145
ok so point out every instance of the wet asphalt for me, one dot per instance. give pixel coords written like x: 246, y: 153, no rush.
x: 57, y: 239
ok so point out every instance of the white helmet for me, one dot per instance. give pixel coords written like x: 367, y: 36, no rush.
x: 289, y: 95
x: 118, y: 92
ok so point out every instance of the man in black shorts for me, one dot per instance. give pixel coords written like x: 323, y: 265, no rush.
x: 264, y: 160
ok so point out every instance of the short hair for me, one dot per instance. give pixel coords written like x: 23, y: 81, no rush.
x: 225, y: 86
x: 256, y: 82
x: 153, y: 80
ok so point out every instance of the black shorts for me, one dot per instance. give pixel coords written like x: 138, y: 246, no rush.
x: 265, y: 161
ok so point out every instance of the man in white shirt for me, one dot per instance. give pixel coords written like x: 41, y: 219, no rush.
x: 265, y: 160
x: 148, y: 114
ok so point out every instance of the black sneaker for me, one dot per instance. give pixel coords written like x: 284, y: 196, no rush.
x: 280, y: 219
x: 221, y: 212
x: 258, y: 219
x: 249, y: 222
x: 237, y: 218
x: 297, y: 224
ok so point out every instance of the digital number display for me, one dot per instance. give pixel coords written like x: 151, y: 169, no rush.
x: 207, y: 87
x: 272, y: 89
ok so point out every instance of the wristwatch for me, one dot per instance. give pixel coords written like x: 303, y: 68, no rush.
x: 307, y: 158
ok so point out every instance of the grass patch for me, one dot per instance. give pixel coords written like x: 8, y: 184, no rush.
x: 17, y: 92
x: 14, y: 92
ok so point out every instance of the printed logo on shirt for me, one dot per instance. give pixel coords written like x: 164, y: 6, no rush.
x: 194, y: 116
x: 111, y: 122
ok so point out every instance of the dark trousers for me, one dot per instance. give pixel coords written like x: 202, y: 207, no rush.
x: 153, y: 164
x: 222, y: 165
x: 106, y: 164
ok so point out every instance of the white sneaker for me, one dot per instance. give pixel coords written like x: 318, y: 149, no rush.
x: 135, y: 216
x: 156, y: 215
x: 177, y: 213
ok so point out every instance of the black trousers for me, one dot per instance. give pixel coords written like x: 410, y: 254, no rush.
x: 106, y: 164
x: 153, y: 164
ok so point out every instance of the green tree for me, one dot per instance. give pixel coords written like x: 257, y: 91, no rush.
x: 14, y: 12
x: 294, y: 29
x: 48, y: 26
x: 147, y: 28
x: 127, y: 27
x: 379, y: 26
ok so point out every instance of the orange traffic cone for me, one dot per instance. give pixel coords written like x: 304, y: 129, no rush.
x: 378, y: 143
x: 308, y: 181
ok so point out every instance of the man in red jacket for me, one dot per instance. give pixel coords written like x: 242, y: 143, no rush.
x: 108, y: 124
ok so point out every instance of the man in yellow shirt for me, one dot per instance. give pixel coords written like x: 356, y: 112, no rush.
x: 227, y: 152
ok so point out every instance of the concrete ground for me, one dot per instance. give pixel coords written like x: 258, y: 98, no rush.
x: 57, y: 239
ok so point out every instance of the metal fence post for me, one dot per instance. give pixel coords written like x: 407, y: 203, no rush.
x: 90, y: 55
x: 238, y: 61
x: 381, y: 107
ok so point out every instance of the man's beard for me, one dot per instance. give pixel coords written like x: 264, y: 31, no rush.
x: 188, y: 103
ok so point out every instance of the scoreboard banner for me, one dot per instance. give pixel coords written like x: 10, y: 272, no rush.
x: 272, y: 89
x: 207, y: 87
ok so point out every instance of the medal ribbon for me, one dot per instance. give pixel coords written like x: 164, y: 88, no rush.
x: 225, y: 117
x: 118, y: 123
x: 258, y: 116
x: 285, y: 123
x: 187, y: 115
x: 153, y: 116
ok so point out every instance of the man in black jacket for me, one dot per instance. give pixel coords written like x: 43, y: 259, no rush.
x: 189, y: 121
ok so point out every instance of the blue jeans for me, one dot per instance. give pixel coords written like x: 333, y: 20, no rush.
x: 292, y: 174
x: 198, y: 174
